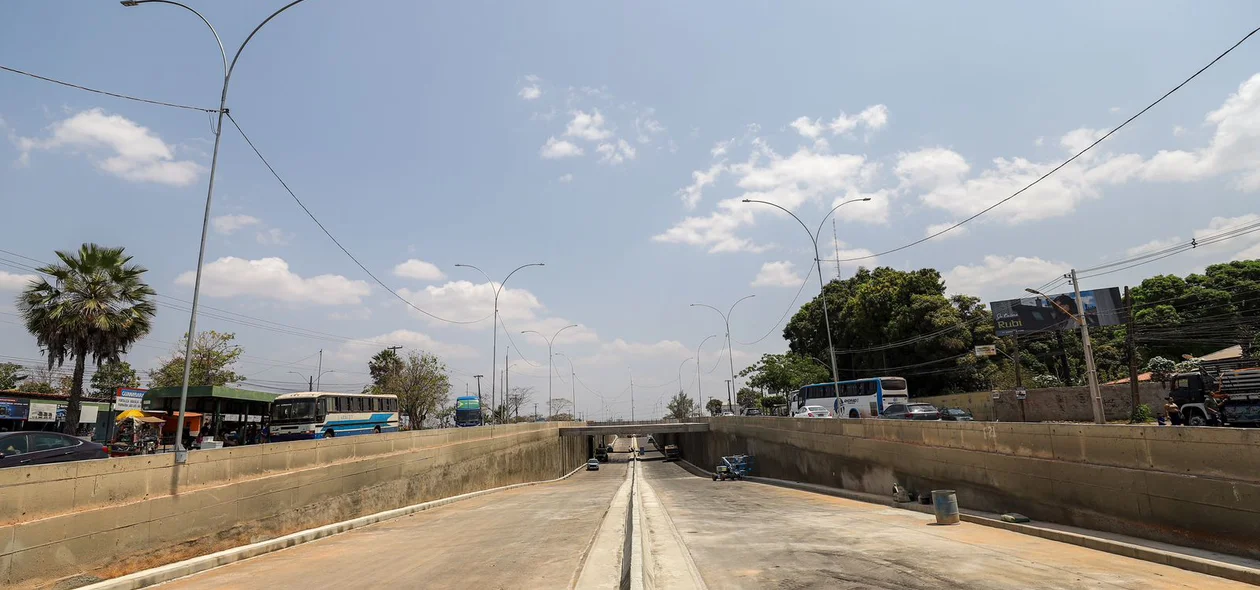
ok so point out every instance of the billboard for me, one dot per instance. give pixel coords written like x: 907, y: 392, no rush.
x: 1103, y: 307
x: 129, y: 399
x: 12, y: 408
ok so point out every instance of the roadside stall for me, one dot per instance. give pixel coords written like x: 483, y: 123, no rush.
x: 227, y: 413
x: 135, y: 434
x: 192, y: 429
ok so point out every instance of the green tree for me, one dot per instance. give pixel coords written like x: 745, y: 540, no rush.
x: 111, y: 376
x: 748, y: 397
x: 681, y: 406
x: 1161, y: 369
x: 785, y: 373
x: 383, y: 366
x: 39, y: 387
x: 714, y: 406
x: 10, y: 376
x: 94, y: 308
x: 775, y: 403
x: 422, y: 386
x: 213, y: 356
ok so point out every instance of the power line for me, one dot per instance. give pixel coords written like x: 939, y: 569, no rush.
x: 1065, y: 162
x: 107, y: 93
x: 334, y: 240
x: 785, y: 312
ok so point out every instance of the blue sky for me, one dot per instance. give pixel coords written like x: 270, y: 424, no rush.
x: 612, y: 142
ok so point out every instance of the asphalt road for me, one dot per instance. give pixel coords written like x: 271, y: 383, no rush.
x: 750, y: 535
x: 531, y: 537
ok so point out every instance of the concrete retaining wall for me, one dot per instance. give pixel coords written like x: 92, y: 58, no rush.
x: 101, y: 519
x: 1197, y: 487
x: 1052, y: 404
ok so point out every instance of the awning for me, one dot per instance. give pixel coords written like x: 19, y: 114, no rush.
x: 218, y: 392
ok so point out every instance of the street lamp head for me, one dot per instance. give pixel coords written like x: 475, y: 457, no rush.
x: 747, y: 200
x: 129, y: 3
x: 866, y: 199
x: 1033, y: 291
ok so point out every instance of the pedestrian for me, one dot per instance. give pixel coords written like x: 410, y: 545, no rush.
x: 1174, y: 413
x: 1213, y: 406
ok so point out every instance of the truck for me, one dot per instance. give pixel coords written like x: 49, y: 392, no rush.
x: 1237, y: 379
x: 601, y: 453
x: 671, y: 452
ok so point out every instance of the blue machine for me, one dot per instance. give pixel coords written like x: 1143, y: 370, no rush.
x: 733, y: 467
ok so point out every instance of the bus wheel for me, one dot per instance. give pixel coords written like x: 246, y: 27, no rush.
x: 1197, y: 419
x: 854, y: 414
x: 330, y: 434
x: 377, y: 430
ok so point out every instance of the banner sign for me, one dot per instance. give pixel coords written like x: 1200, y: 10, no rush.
x: 986, y: 350
x: 1102, y: 307
x: 13, y: 409
x: 43, y: 412
x: 128, y: 399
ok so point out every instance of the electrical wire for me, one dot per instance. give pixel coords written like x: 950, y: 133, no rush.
x: 107, y: 93
x: 785, y: 312
x: 1065, y: 162
x: 334, y: 239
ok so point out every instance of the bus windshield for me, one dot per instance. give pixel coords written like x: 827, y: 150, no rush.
x: 293, y: 410
x: 893, y: 384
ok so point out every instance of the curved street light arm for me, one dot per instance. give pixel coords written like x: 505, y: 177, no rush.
x: 732, y: 310
x: 505, y: 279
x: 798, y: 220
x: 833, y: 210
x: 710, y: 307
x: 222, y: 51
x: 255, y: 31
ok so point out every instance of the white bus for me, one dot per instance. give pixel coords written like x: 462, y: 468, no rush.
x: 312, y: 414
x: 859, y: 398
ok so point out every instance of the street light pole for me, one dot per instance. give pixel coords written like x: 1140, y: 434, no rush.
x: 1091, y: 374
x: 550, y: 408
x: 730, y: 350
x: 822, y: 288
x: 181, y: 454
x: 572, y: 384
x: 494, y: 328
x: 699, y: 377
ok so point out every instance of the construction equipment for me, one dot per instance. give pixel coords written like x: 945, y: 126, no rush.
x: 733, y: 467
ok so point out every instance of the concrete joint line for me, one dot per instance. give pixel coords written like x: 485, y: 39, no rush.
x: 188, y: 567
x: 1200, y: 565
x: 666, y: 561
x: 638, y: 562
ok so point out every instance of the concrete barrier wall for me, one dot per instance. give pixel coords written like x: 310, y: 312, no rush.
x: 1197, y: 487
x: 101, y: 519
x: 1052, y: 404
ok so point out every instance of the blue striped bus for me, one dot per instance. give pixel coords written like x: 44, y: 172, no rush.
x: 313, y: 414
x: 859, y: 398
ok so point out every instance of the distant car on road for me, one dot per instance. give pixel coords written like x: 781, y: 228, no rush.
x: 728, y: 413
x: 911, y: 412
x: 956, y: 415
x: 20, y: 449
x: 812, y: 412
x: 752, y: 412
x: 592, y: 465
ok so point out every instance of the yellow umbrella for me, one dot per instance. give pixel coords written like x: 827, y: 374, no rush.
x: 129, y: 414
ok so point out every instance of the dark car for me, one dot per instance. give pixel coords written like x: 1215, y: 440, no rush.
x: 752, y: 412
x: 911, y: 412
x: 956, y: 415
x: 19, y: 449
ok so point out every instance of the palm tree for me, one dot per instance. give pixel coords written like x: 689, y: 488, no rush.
x: 95, y: 305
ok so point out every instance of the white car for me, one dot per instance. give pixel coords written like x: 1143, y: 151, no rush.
x: 812, y: 412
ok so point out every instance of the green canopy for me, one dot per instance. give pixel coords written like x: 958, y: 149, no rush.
x: 217, y: 391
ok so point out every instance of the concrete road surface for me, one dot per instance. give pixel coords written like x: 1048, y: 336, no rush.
x: 531, y: 537
x: 750, y: 535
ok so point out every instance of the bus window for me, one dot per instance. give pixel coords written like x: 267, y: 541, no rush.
x: 893, y: 384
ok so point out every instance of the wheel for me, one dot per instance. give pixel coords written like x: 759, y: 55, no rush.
x: 376, y: 430
x: 1197, y: 419
x: 715, y: 478
x: 330, y: 434
x: 854, y: 414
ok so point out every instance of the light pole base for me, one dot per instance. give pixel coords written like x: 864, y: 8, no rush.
x: 181, y: 456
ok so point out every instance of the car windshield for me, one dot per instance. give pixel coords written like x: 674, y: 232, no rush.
x: 921, y: 408
x: 291, y: 410
x: 956, y: 412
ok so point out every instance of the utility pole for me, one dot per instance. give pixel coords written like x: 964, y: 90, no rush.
x: 506, y: 370
x: 1099, y: 416
x: 730, y: 394
x: 479, y: 404
x: 631, y: 393
x: 319, y: 371
x: 310, y: 382
x: 1132, y: 352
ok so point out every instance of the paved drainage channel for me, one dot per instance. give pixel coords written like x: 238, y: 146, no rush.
x: 628, y: 552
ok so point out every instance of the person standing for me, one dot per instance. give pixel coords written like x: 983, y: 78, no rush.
x: 1174, y: 413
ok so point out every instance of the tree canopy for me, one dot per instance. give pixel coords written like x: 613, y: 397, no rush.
x: 111, y: 376
x: 214, y: 355
x: 681, y: 406
x: 422, y: 386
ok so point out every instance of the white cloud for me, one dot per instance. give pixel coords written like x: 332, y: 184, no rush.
x: 15, y: 282
x: 359, y: 351
x: 715, y: 231
x: 939, y: 227
x: 273, y: 237
x: 873, y: 118
x: 719, y: 148
x: 1251, y: 253
x: 566, y: 178
x: 270, y: 278
x: 355, y: 315
x: 1219, y: 225
x: 646, y: 127
x: 692, y: 194
x: 588, y: 126
x: 555, y: 149
x: 1235, y: 147
x: 931, y: 167
x: 519, y: 309
x: 777, y: 274
x: 1178, y: 131
x: 531, y: 92
x: 131, y: 151
x: 1114, y: 109
x: 999, y: 277
x: 228, y: 224
x: 1153, y: 246
x: 616, y: 153
x: 418, y: 269
x: 846, y: 254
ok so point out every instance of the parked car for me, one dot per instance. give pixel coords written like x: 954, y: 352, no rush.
x: 911, y: 412
x: 752, y: 412
x: 592, y: 465
x: 956, y: 415
x: 728, y: 413
x: 19, y: 449
x: 812, y: 412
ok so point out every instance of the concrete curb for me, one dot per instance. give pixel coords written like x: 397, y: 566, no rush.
x: 1200, y: 565
x: 188, y: 567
